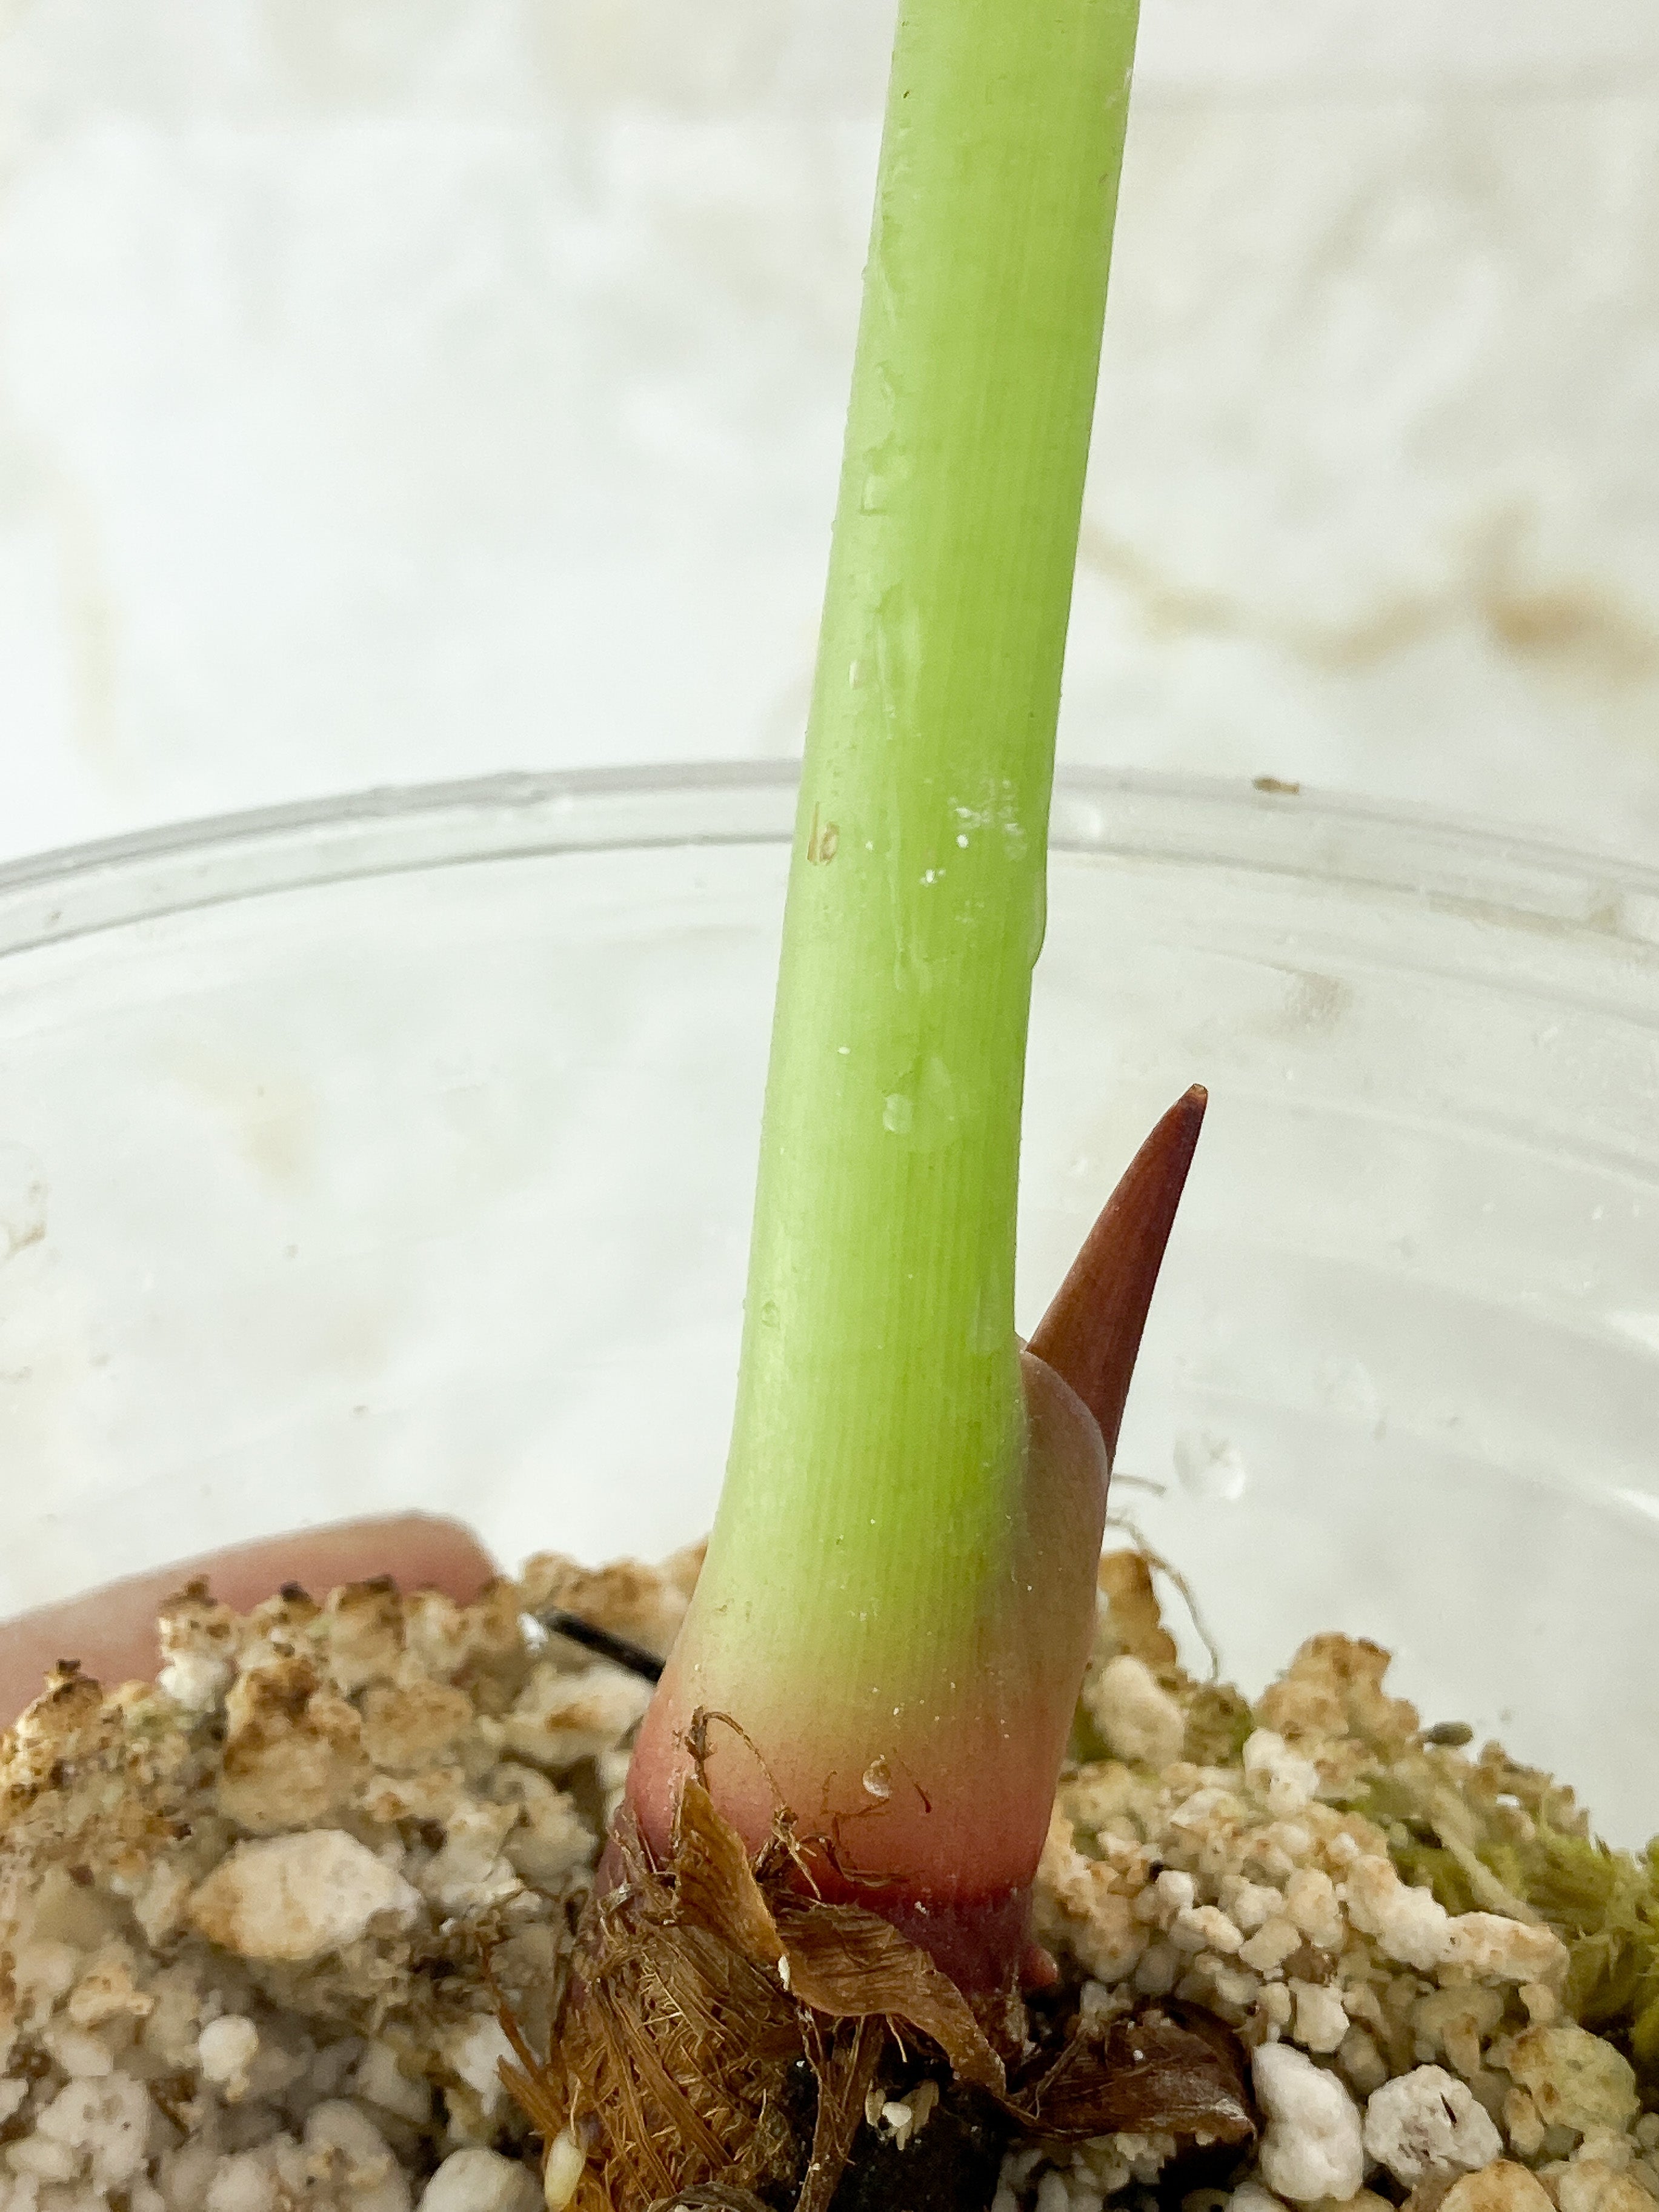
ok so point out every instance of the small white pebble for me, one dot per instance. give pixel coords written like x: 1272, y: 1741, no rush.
x: 1310, y: 1903
x: 159, y: 1907
x: 1157, y: 1970
x: 1590, y: 2184
x: 1521, y: 2123
x: 559, y: 1718
x: 185, y: 2173
x: 1200, y: 1809
x: 1174, y: 1894
x: 1500, y: 2187
x: 1607, y: 2147
x: 1239, y: 1991
x: 476, y: 2049
x: 1251, y: 2197
x: 1428, y: 2122
x: 1363, y: 2067
x: 42, y: 1971
x: 1577, y: 2079
x: 375, y: 2179
x: 470, y: 1872
x: 1052, y: 2195
x: 1313, y: 2144
x: 610, y: 1768
x: 227, y: 2048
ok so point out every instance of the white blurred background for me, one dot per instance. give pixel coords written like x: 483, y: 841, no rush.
x: 396, y: 389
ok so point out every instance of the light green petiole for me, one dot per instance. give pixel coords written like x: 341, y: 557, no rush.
x: 878, y: 1412
x: 899, y: 1594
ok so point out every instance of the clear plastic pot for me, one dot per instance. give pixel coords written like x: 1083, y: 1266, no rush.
x: 398, y: 1152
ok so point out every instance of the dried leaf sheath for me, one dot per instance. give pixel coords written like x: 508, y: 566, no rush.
x: 674, y: 2049
x: 701, y: 1996
x: 708, y: 1997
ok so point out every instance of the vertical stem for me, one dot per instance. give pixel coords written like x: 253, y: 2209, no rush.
x: 879, y: 1335
x: 872, y: 1499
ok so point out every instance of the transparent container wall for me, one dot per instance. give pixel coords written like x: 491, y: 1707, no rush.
x: 401, y: 1154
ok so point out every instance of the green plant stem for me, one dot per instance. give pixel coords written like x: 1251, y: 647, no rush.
x: 874, y: 1494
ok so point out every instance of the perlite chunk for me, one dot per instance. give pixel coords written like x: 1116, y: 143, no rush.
x: 1408, y: 1924
x: 1590, y: 2184
x: 298, y: 1897
x: 226, y: 2051
x: 1139, y: 1720
x: 1313, y: 2146
x: 105, y: 2121
x: 1427, y: 2122
x: 559, y: 1718
x: 1577, y: 2079
x: 475, y: 2179
x: 1500, y: 2187
x: 1284, y: 1780
x: 1496, y: 1949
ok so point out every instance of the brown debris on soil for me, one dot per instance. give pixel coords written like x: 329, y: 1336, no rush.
x: 1165, y: 2068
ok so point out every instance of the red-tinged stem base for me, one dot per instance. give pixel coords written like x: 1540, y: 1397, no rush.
x: 984, y: 1944
x: 922, y: 1790
x: 916, y: 1779
x: 705, y: 1990
x: 981, y: 1944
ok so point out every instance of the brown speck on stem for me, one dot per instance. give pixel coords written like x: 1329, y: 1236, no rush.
x: 1092, y: 1332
